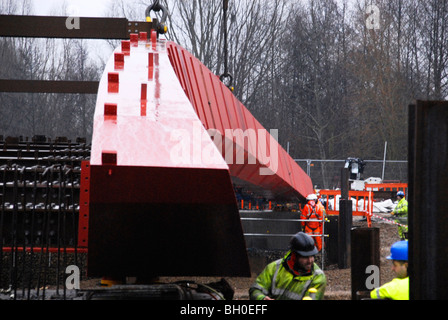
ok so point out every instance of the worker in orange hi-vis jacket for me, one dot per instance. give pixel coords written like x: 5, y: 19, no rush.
x: 313, y: 210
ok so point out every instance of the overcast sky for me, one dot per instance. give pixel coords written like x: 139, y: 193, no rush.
x: 84, y: 8
x: 81, y: 8
x: 99, y: 49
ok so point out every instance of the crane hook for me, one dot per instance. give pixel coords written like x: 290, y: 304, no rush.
x: 156, y: 7
x: 227, y: 79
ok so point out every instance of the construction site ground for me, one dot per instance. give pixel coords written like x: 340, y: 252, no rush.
x: 338, y: 280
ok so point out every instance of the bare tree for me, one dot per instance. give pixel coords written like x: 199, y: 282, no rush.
x: 54, y: 115
x: 253, y: 29
x: 434, y: 28
x: 313, y: 69
x: 314, y: 105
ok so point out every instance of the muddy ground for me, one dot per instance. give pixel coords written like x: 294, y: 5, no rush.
x: 338, y: 280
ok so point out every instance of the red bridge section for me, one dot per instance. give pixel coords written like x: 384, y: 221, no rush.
x: 168, y: 139
x: 255, y: 158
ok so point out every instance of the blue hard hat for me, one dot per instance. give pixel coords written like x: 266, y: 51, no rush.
x: 400, y: 193
x: 399, y: 251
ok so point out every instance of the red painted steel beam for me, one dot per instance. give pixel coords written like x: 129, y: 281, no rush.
x: 257, y: 161
x: 160, y: 196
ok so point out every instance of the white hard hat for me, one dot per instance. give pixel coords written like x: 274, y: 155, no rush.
x: 311, y: 196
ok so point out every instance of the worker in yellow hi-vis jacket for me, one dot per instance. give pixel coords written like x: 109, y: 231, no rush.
x: 294, y: 277
x: 398, y: 288
x: 400, y: 213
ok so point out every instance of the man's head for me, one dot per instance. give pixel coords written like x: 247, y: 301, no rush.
x: 303, y: 263
x: 302, y: 245
x: 311, y: 199
x: 399, y: 257
x: 400, y: 195
x: 400, y: 268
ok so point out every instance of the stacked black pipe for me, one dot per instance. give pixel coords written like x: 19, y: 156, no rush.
x: 39, y: 208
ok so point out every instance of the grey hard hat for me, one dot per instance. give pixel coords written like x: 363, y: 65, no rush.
x: 303, y: 244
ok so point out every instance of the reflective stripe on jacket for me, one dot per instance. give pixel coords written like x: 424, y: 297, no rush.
x: 397, y: 289
x: 278, y: 282
x: 312, y: 211
x: 402, y: 208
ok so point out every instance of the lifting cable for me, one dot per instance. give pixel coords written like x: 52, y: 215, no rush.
x: 226, y: 77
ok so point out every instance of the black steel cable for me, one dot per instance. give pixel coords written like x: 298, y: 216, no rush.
x: 24, y: 215
x: 226, y: 74
x: 225, y: 7
x: 75, y: 231
x: 64, y: 235
x: 64, y: 222
x: 48, y: 234
x: 33, y: 217
x: 58, y: 232
x: 3, y: 198
x: 44, y: 227
x: 13, y: 271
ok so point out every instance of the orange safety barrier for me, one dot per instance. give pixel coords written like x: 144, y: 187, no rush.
x: 387, y: 187
x: 365, y: 211
x: 257, y: 205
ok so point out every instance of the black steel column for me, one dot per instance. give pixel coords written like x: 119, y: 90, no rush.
x: 410, y: 198
x: 345, y: 175
x: 332, y: 240
x: 344, y: 223
x: 365, y: 252
x: 428, y: 201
